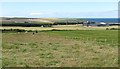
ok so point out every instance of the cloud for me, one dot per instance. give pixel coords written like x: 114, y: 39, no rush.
x: 36, y: 13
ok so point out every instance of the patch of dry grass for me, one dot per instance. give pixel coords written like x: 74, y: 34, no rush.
x: 61, y: 27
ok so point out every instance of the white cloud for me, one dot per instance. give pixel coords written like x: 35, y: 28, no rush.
x: 36, y: 13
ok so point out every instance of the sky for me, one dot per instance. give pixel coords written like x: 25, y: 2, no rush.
x: 59, y: 0
x: 54, y: 9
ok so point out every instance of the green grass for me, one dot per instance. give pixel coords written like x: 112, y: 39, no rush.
x: 80, y: 48
x: 100, y: 36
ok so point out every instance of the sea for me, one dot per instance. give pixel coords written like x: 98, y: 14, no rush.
x: 107, y: 20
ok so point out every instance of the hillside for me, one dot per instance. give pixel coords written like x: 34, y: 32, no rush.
x: 28, y: 22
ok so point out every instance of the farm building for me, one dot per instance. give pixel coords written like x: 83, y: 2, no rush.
x: 87, y: 23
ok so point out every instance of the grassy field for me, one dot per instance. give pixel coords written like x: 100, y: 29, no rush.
x: 60, y: 27
x: 76, y: 48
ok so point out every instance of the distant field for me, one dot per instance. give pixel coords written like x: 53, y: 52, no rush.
x: 61, y: 27
x: 77, y: 48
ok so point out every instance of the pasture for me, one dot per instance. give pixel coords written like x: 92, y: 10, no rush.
x: 71, y: 48
x: 60, y: 27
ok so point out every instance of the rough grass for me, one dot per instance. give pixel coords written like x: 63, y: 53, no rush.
x: 0, y: 49
x: 60, y: 49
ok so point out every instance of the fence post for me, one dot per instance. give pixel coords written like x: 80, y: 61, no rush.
x: 105, y: 41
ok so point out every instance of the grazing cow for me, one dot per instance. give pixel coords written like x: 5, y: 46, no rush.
x: 33, y: 33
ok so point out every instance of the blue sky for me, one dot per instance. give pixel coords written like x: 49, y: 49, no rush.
x: 61, y: 9
x: 59, y: 0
